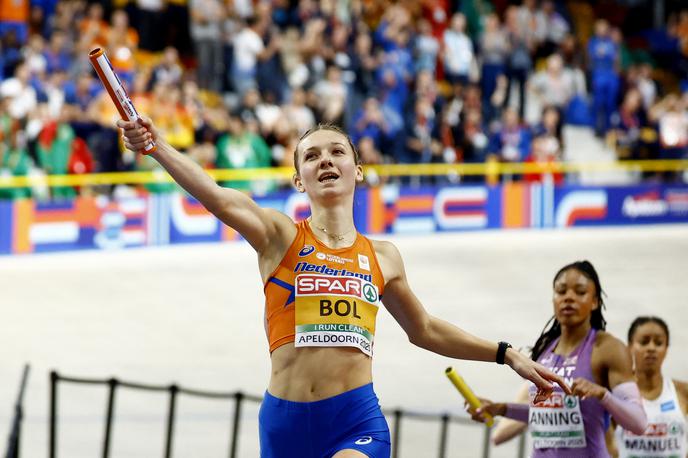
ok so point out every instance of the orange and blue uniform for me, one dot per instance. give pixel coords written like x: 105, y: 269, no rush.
x: 323, y: 297
x: 319, y: 296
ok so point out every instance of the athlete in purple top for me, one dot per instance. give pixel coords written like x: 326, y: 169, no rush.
x: 596, y: 364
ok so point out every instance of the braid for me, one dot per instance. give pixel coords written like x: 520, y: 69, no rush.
x: 546, y: 338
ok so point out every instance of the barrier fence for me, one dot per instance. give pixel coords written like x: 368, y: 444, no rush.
x: 13, y: 441
x: 395, y: 416
x: 492, y: 170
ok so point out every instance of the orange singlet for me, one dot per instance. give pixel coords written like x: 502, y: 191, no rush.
x: 324, y: 297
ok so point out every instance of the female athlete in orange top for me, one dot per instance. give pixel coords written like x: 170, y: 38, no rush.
x: 323, y: 284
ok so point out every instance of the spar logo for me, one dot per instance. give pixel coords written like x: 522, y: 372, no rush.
x: 317, y: 285
x: 645, y: 205
x: 306, y: 250
x: 571, y: 401
x: 370, y: 293
x: 555, y: 401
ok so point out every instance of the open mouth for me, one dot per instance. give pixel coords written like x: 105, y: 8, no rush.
x: 328, y: 177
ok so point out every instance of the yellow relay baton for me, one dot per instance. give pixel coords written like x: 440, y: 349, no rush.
x: 467, y: 393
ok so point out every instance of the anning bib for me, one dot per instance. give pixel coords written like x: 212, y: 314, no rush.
x: 557, y: 422
x: 335, y: 311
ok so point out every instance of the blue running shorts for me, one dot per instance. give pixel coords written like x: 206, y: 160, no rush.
x: 351, y: 420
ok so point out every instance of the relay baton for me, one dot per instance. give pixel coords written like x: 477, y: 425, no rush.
x: 467, y: 393
x: 114, y: 87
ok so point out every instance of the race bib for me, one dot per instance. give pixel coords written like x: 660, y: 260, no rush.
x: 557, y: 422
x: 335, y: 311
x: 660, y: 440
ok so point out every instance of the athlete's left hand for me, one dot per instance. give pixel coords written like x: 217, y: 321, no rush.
x: 585, y: 389
x: 536, y: 373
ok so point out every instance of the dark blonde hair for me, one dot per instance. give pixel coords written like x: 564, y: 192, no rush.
x: 332, y: 128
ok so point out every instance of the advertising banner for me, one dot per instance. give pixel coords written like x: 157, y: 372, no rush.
x: 28, y: 226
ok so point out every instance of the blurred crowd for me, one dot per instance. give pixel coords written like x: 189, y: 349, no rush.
x: 234, y: 83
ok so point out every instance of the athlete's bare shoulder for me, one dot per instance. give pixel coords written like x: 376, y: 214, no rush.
x: 282, y: 234
x: 284, y: 225
x: 609, y: 345
x: 612, y: 356
x: 682, y: 392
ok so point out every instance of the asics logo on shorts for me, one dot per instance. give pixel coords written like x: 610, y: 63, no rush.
x: 364, y: 440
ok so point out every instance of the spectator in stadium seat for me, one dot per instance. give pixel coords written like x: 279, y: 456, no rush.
x: 169, y: 70
x: 423, y: 144
x: 494, y: 48
x: 248, y: 49
x: 519, y: 62
x: 426, y: 48
x: 11, y: 55
x: 671, y: 116
x: 363, y: 65
x: 94, y: 28
x: 370, y: 123
x: 556, y: 85
x: 207, y: 17
x: 627, y: 125
x: 61, y: 152
x: 511, y: 141
x: 122, y: 45
x: 551, y: 29
x: 298, y: 113
x: 14, y: 156
x: 603, y: 63
x: 240, y: 149
x: 547, y: 145
x: 471, y: 136
x: 330, y: 96
x: 457, y: 51
x: 21, y: 96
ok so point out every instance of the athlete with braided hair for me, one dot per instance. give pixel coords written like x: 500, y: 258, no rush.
x: 596, y: 364
x: 324, y: 283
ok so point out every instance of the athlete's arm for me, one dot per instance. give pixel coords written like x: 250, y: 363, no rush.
x: 508, y: 428
x: 441, y: 337
x: 623, y: 402
x: 610, y: 440
x: 258, y: 226
x: 682, y: 392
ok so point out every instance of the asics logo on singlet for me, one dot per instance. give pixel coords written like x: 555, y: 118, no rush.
x: 306, y: 250
x: 364, y: 440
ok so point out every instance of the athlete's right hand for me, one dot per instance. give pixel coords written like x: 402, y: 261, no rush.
x: 486, y: 407
x: 536, y: 373
x: 138, y: 134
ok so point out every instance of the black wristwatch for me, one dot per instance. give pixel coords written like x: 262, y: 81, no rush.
x: 501, y: 351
